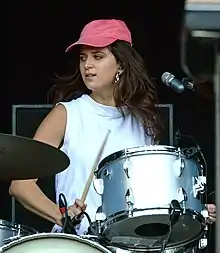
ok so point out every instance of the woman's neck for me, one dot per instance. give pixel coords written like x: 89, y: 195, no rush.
x: 103, y: 99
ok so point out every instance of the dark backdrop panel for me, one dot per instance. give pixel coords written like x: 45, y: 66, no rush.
x: 26, y: 120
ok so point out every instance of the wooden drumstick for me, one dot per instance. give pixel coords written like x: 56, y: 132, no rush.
x: 89, y: 181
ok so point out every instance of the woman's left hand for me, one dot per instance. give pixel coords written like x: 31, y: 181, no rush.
x: 212, y: 213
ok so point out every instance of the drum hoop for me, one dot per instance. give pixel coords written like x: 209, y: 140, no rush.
x: 16, y: 226
x: 139, y: 150
x: 54, y: 235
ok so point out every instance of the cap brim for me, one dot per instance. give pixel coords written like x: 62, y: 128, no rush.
x: 92, y: 42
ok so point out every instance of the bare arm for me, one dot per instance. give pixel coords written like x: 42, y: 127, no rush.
x: 27, y: 192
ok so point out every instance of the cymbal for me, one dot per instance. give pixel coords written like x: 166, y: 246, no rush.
x: 25, y: 158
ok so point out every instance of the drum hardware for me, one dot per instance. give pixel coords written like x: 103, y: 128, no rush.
x: 126, y: 171
x: 11, y: 231
x: 179, y: 165
x: 129, y: 198
x: 107, y: 174
x: 99, y: 218
x: 199, y: 182
x: 203, y: 242
x: 191, y: 151
x: 182, y: 198
x: 11, y: 239
x: 127, y: 165
x: 130, y: 202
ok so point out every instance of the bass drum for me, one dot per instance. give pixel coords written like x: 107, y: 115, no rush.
x: 54, y: 243
x: 10, y: 231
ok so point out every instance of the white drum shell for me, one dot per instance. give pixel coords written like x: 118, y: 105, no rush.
x: 155, y: 178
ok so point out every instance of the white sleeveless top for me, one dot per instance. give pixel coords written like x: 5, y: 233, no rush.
x: 86, y: 127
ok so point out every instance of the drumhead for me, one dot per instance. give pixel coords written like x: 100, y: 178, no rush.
x: 135, y: 151
x: 53, y: 243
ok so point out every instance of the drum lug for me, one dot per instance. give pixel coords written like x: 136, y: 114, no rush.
x: 99, y: 217
x: 130, y: 202
x: 126, y: 167
x: 203, y: 242
x: 179, y: 165
x: 182, y: 197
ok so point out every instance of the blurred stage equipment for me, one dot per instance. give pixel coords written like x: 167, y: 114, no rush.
x: 200, y: 57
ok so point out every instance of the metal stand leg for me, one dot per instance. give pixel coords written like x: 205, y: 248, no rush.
x: 217, y: 147
x: 13, y: 209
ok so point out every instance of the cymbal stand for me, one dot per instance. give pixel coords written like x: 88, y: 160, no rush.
x: 217, y: 144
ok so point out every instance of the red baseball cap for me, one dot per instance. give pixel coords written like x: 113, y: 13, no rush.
x: 101, y: 33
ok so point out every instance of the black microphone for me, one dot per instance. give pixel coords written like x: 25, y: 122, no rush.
x: 171, y: 81
x: 175, y: 211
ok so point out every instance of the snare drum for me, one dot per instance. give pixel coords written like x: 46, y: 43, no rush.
x: 10, y: 231
x: 138, y: 187
x: 54, y: 243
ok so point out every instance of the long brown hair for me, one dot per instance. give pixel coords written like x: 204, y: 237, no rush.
x: 134, y: 90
